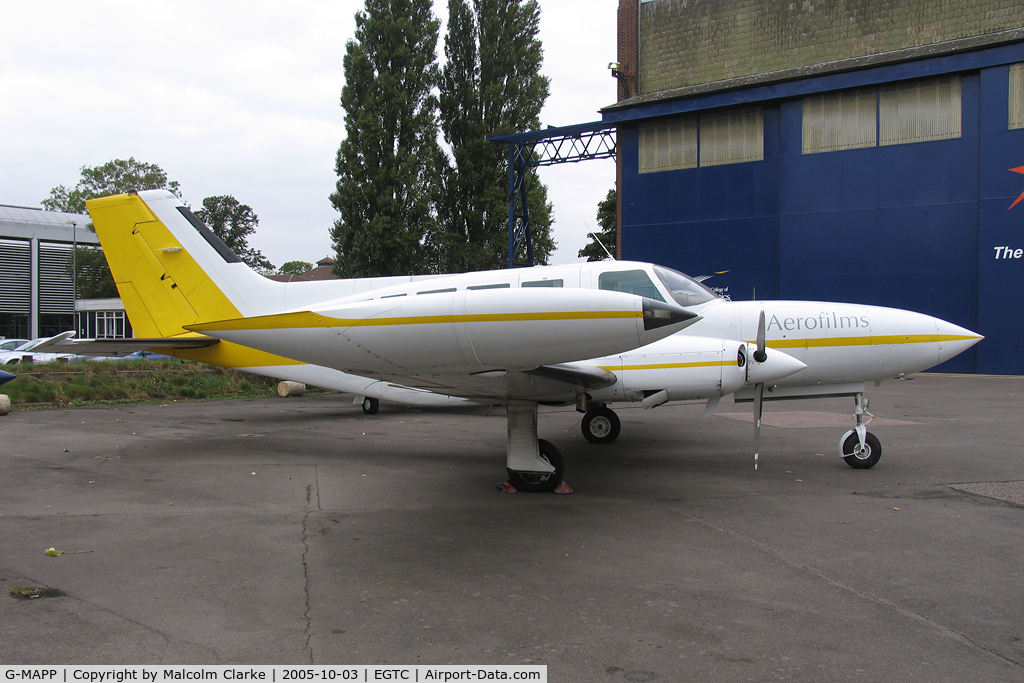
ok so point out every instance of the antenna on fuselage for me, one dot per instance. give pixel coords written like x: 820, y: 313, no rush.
x: 590, y: 234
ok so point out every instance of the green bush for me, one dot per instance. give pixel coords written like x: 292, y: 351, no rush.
x: 76, y: 383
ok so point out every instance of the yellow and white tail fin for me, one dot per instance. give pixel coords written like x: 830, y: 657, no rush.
x: 172, y: 271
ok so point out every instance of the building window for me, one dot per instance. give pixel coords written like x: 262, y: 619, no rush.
x: 727, y: 137
x: 915, y: 111
x: 668, y: 144
x: 919, y: 111
x: 109, y: 325
x: 842, y: 120
x: 732, y: 136
x: 1017, y: 95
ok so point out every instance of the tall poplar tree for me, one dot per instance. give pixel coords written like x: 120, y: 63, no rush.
x: 385, y: 165
x: 490, y: 85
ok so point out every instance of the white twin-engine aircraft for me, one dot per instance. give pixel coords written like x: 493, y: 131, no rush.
x: 587, y: 333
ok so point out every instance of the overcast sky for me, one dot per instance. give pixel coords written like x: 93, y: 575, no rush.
x: 242, y: 98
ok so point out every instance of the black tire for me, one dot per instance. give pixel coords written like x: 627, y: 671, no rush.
x: 371, y: 406
x: 601, y: 425
x: 862, y: 460
x: 533, y: 482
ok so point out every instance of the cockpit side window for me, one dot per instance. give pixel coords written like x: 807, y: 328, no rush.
x: 685, y: 290
x: 630, y: 281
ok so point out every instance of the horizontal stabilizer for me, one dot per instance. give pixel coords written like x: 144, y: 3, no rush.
x: 122, y: 347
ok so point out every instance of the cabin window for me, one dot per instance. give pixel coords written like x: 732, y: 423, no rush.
x: 630, y: 281
x: 543, y: 283
x: 437, y: 291
x: 392, y: 296
x: 503, y: 285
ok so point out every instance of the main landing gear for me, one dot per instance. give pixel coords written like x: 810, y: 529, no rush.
x: 600, y: 424
x: 860, y: 448
x: 534, y: 465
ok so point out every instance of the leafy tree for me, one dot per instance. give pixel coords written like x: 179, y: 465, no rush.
x: 233, y: 222
x: 490, y: 85
x: 114, y: 177
x: 89, y: 266
x: 295, y: 268
x: 384, y: 165
x: 607, y: 218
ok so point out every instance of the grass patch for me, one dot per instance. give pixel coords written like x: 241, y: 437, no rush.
x: 29, y: 592
x: 71, y: 384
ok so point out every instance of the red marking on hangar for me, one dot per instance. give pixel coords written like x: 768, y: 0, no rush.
x: 1019, y: 169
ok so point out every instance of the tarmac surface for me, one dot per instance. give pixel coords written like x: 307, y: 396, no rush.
x: 279, y: 531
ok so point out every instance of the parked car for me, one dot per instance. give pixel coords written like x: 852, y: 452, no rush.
x: 11, y: 344
x: 146, y: 355
x: 23, y: 354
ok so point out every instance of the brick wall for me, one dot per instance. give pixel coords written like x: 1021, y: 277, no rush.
x: 628, y: 45
x: 689, y: 42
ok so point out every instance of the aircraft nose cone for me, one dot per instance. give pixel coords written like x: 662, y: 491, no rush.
x: 660, y: 314
x: 776, y: 366
x: 6, y: 377
x: 954, y: 339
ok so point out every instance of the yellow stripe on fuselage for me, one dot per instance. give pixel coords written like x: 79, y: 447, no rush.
x: 881, y: 340
x: 307, y: 319
x: 669, y: 366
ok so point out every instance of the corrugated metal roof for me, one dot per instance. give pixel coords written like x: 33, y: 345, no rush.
x: 26, y: 216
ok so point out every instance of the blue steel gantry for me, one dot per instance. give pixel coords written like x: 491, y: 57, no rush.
x: 562, y: 145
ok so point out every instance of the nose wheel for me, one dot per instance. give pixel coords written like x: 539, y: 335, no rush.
x: 859, y: 447
x: 601, y: 425
x: 861, y: 456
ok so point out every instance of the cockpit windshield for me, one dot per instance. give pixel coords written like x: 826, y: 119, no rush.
x: 685, y: 290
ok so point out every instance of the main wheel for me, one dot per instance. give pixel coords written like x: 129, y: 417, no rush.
x: 538, y: 482
x: 861, y: 458
x: 371, y: 406
x: 601, y: 425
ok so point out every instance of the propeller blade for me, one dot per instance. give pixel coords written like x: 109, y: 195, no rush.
x: 760, y: 355
x: 758, y: 393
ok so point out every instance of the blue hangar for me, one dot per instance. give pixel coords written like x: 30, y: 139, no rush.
x: 860, y: 151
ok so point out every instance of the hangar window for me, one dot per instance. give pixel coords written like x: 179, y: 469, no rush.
x: 732, y: 136
x: 842, y: 120
x: 919, y: 111
x: 668, y: 144
x: 1017, y: 95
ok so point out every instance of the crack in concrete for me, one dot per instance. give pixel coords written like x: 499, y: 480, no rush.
x: 310, y: 490
x: 909, y: 614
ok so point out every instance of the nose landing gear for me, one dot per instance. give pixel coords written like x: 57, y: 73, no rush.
x: 860, y: 448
